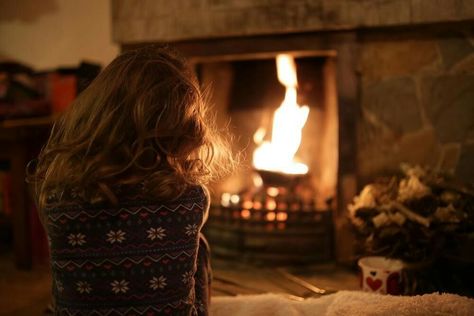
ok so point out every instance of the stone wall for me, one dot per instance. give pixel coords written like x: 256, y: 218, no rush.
x: 417, y: 102
x: 137, y: 21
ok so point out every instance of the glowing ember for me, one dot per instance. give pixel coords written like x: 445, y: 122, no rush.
x: 234, y: 198
x: 272, y: 191
x: 271, y: 205
x: 279, y: 154
x: 281, y: 216
x: 245, y: 214
x: 247, y: 204
x: 270, y: 216
x: 225, y: 199
x: 257, y: 205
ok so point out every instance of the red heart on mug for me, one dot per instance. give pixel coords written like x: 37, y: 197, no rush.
x: 374, y: 284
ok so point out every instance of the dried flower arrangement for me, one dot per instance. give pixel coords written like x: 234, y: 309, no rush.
x: 416, y: 217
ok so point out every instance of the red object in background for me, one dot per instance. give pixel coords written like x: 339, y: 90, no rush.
x: 63, y: 91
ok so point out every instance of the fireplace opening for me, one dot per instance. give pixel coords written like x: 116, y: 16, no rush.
x: 263, y: 214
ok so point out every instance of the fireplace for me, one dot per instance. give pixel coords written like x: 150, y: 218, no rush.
x: 275, y: 209
x: 242, y: 75
x: 382, y: 88
x: 266, y: 215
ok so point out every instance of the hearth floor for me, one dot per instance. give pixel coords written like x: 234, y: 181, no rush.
x: 28, y: 292
x: 231, y: 278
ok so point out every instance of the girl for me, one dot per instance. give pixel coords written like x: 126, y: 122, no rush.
x: 119, y: 185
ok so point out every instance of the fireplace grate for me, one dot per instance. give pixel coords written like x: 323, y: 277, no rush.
x: 270, y: 226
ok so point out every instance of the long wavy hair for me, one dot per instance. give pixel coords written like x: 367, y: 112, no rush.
x: 142, y: 123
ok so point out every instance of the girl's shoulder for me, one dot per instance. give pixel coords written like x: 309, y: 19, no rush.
x: 192, y: 195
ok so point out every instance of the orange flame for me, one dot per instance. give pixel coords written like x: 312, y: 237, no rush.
x: 288, y: 121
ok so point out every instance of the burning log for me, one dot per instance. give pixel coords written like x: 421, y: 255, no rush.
x: 280, y: 179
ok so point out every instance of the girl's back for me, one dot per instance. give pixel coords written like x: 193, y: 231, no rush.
x: 136, y: 258
x: 120, y: 187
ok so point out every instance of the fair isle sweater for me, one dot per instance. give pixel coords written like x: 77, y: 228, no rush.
x: 140, y: 258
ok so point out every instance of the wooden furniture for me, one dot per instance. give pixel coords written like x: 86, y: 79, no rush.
x: 20, y: 141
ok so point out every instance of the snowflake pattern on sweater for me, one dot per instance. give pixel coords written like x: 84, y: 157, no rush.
x: 140, y: 258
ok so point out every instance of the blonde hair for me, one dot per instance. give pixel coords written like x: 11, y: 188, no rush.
x: 143, y: 122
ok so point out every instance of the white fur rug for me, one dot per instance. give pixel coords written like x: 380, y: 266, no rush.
x: 343, y: 303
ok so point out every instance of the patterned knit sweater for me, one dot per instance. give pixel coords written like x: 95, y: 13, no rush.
x: 141, y: 258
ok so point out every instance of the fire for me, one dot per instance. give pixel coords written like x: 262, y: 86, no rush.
x: 288, y: 121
